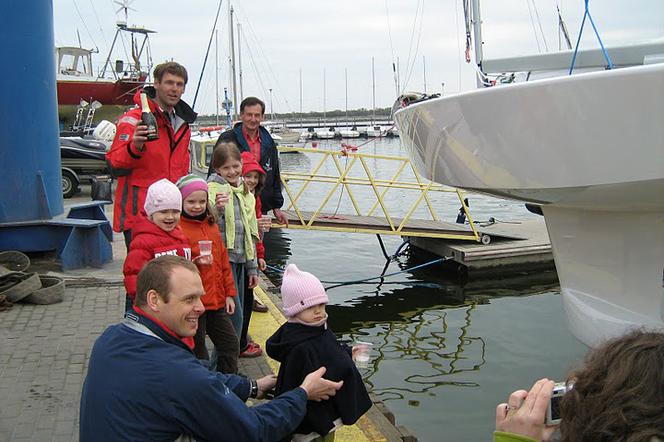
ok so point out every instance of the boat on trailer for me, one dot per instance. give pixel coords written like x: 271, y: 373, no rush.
x: 589, y: 148
x: 110, y: 90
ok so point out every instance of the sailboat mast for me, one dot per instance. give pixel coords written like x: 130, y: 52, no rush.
x: 346, y: 77
x: 324, y: 107
x: 373, y: 93
x: 424, y: 72
x: 301, y: 99
x: 239, y: 58
x: 398, y: 77
x: 477, y: 34
x: 216, y: 75
x: 232, y: 60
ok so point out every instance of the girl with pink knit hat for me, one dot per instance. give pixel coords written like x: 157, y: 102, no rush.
x: 156, y: 232
x: 305, y: 343
x: 199, y: 223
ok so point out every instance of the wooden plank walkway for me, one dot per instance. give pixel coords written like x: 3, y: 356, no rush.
x: 532, y: 250
x: 379, y: 225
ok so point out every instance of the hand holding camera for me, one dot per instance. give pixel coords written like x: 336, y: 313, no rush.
x: 525, y: 412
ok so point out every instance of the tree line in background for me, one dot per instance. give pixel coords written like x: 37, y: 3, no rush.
x: 362, y: 113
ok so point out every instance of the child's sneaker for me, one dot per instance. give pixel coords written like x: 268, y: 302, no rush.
x: 253, y: 350
x: 259, y: 306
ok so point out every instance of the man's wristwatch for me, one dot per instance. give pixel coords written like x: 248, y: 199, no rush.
x: 253, y: 392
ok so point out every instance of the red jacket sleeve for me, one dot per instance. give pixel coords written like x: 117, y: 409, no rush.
x: 260, y: 249
x: 136, y: 259
x: 122, y: 155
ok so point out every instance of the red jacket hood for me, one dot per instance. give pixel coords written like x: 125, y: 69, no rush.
x: 144, y: 226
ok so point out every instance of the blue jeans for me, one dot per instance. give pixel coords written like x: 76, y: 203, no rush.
x: 239, y: 278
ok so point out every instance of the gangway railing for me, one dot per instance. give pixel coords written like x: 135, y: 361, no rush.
x: 379, y: 218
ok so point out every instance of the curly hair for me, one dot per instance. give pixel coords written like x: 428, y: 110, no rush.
x: 618, y: 393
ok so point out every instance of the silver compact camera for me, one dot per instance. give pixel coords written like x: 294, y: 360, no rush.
x: 553, y: 411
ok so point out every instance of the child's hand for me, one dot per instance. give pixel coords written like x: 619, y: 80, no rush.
x: 205, y: 260
x: 264, y: 223
x: 262, y: 265
x: 230, y: 305
x: 221, y: 199
x: 358, y: 349
x: 253, y: 281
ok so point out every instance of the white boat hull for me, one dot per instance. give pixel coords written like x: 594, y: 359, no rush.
x: 572, y: 141
x: 590, y: 148
x: 324, y: 134
x: 349, y: 133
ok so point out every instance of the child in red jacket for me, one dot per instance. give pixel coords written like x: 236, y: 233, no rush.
x: 155, y: 232
x: 254, y: 179
x: 199, y: 223
x: 253, y: 176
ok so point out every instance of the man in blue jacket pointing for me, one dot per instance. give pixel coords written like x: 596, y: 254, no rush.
x: 144, y: 383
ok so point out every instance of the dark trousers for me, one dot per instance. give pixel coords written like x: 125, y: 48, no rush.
x: 218, y: 326
x: 127, y: 239
x: 247, y: 308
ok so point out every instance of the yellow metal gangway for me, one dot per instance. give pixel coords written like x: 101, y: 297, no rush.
x: 338, y: 170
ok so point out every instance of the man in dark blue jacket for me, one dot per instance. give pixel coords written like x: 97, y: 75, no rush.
x: 144, y: 383
x: 250, y: 136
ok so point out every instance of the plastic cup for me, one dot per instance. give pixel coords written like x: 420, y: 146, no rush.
x: 205, y: 247
x: 363, y: 353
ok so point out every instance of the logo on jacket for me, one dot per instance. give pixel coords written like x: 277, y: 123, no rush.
x: 267, y: 166
x: 174, y: 252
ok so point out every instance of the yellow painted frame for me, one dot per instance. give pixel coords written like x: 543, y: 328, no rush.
x: 379, y: 187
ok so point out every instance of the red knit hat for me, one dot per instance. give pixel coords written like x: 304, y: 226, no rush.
x: 300, y: 290
x: 249, y: 164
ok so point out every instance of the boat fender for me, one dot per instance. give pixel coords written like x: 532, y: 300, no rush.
x: 105, y: 130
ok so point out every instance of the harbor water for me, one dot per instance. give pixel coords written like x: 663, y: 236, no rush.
x: 445, y: 352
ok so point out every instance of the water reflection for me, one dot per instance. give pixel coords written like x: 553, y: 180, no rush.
x: 446, y: 350
x: 439, y: 353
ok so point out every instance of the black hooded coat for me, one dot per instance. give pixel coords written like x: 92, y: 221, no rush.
x: 302, y: 349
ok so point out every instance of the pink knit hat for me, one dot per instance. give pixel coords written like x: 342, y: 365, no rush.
x: 300, y: 290
x: 189, y: 184
x: 162, y: 195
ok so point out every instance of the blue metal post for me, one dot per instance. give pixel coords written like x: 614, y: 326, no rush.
x: 30, y: 176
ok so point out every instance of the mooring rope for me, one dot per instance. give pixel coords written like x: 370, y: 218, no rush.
x: 363, y: 280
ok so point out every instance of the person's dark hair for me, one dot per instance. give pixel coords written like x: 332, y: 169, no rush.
x: 223, y: 151
x: 250, y: 101
x: 156, y: 275
x: 618, y: 393
x: 170, y: 67
x: 261, y: 184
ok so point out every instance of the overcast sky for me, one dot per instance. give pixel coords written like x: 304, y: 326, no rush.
x: 325, y: 38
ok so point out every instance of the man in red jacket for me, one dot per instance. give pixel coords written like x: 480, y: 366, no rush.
x: 137, y: 162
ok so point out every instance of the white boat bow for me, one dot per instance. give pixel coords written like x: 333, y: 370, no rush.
x: 590, y: 148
